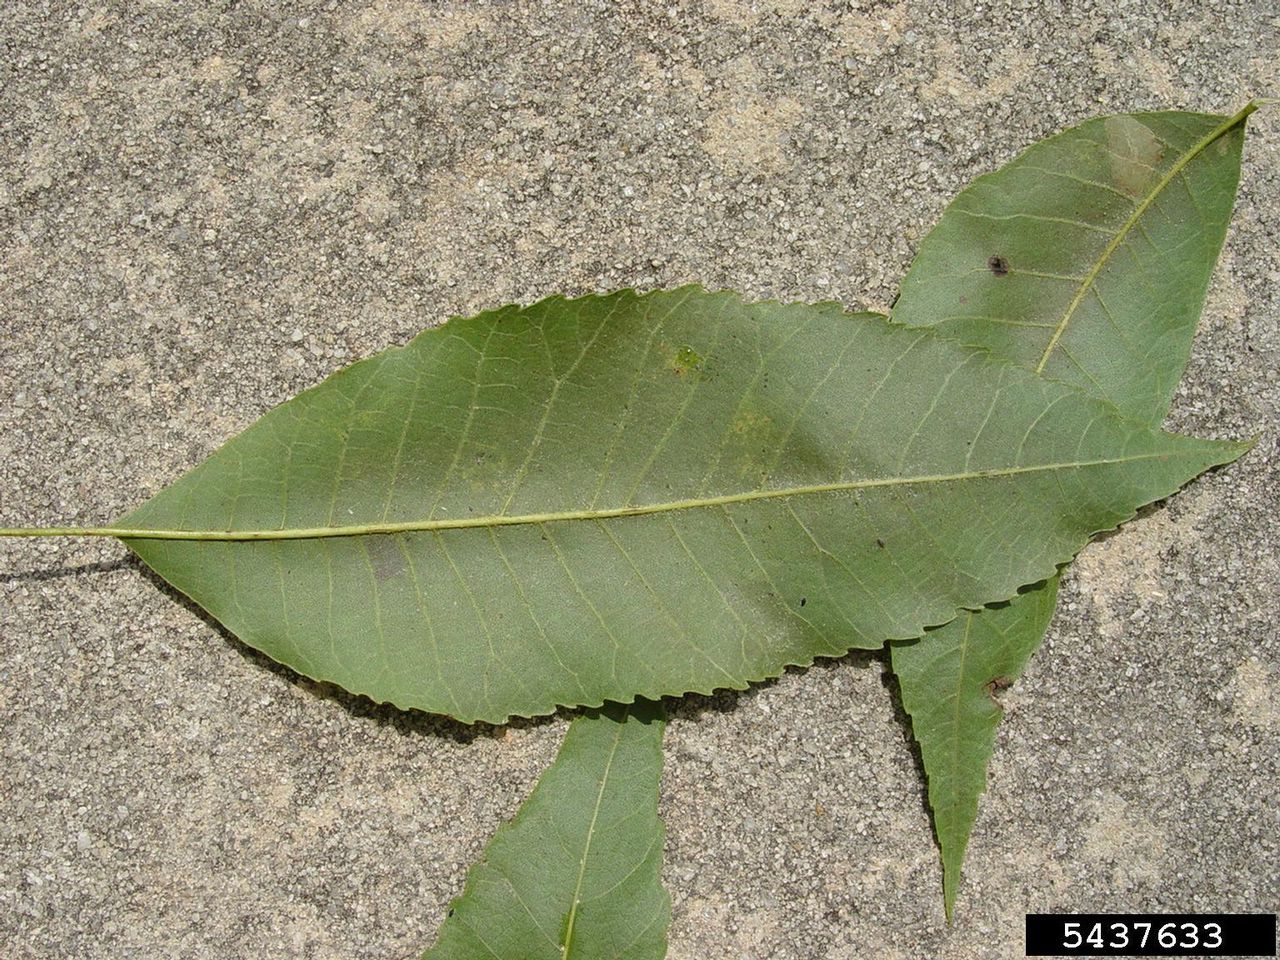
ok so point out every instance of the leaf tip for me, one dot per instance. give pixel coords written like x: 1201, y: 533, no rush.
x: 1218, y: 453
x: 1235, y: 449
x: 950, y: 882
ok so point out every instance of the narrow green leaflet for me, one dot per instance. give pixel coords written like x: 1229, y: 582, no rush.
x: 627, y: 495
x: 576, y: 874
x: 950, y: 682
x: 1146, y: 260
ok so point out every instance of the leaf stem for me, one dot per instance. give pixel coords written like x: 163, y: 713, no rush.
x: 609, y: 513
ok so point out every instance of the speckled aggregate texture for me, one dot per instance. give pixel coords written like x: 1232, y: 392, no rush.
x: 205, y: 208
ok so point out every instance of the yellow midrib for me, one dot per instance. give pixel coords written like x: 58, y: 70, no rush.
x: 567, y: 941
x: 608, y: 513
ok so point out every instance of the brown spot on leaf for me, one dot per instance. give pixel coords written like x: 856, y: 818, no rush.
x: 998, y: 265
x: 995, y: 685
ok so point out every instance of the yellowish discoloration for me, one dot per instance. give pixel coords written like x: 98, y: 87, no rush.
x: 1136, y: 154
x: 687, y: 361
x: 1127, y: 564
x: 1256, y: 695
x: 748, y: 131
x: 951, y: 81
x: 751, y: 422
x: 1118, y: 833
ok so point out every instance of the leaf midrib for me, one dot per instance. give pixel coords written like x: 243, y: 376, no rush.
x: 1087, y: 283
x: 560, y: 516
x: 567, y: 940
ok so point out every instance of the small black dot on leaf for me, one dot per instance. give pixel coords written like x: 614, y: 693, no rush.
x: 803, y: 601
x: 998, y: 265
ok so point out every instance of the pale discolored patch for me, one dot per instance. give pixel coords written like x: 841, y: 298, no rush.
x: 950, y: 79
x: 1136, y: 153
x: 386, y: 556
x: 1128, y: 564
x: 750, y: 131
x: 1256, y: 695
x: 1118, y: 833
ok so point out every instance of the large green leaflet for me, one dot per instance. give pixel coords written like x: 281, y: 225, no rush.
x: 950, y: 679
x: 1143, y: 240
x: 625, y: 495
x: 577, y: 873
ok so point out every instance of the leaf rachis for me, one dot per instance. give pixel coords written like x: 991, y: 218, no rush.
x: 563, y: 516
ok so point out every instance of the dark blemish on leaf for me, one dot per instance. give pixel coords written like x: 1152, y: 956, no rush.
x: 385, y: 556
x: 964, y: 300
x: 803, y: 601
x: 995, y: 685
x: 998, y: 265
x: 879, y: 543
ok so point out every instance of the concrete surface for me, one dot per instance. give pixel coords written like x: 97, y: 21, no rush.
x: 206, y: 207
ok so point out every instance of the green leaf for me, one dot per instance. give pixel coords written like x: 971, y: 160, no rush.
x: 1087, y: 258
x: 576, y: 874
x: 950, y: 680
x: 557, y: 505
x: 1124, y: 335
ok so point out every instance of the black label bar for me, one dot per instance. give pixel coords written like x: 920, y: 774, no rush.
x: 1151, y: 935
